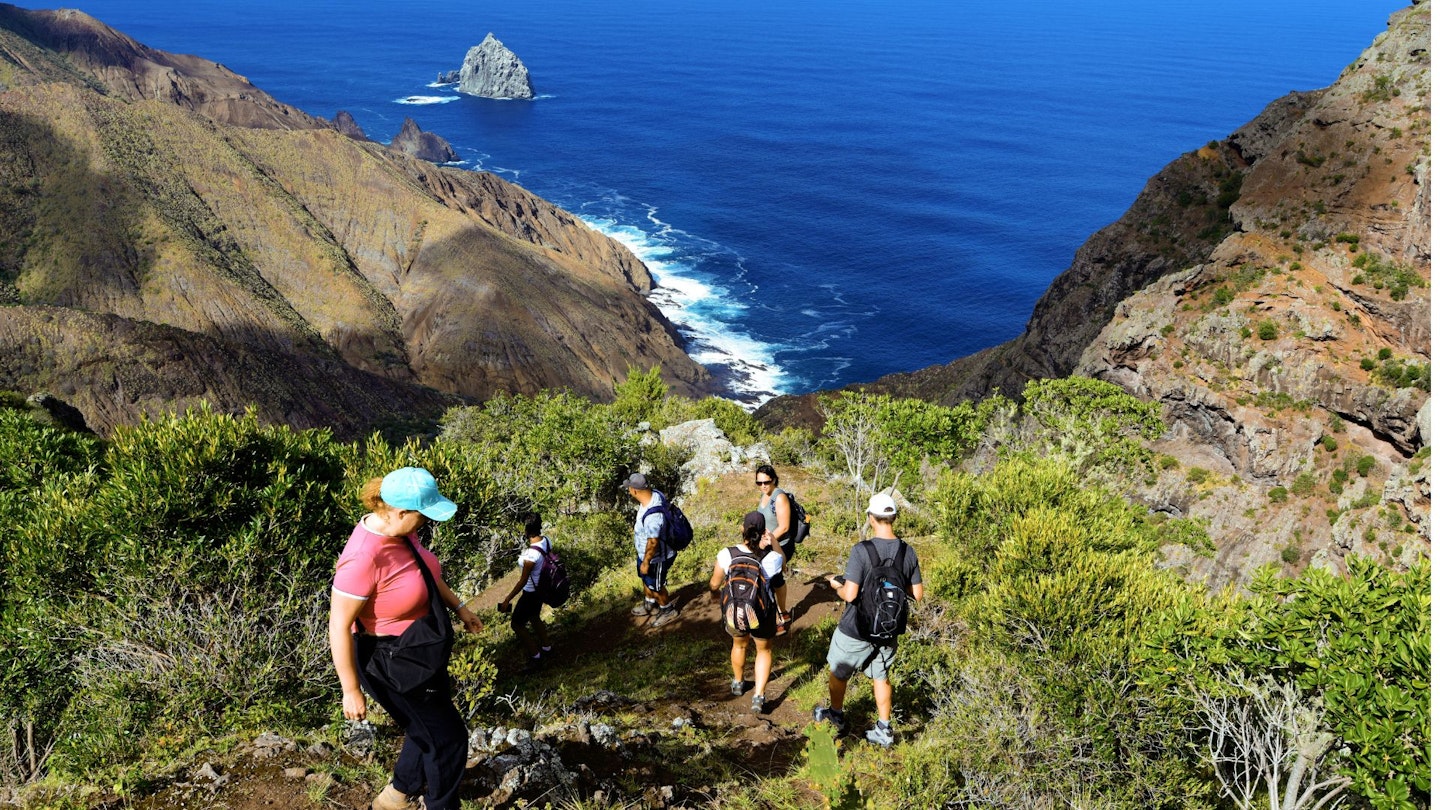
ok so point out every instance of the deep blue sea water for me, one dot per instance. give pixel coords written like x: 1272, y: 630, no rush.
x: 827, y: 191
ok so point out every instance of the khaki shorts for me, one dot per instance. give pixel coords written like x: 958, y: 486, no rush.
x: 850, y: 655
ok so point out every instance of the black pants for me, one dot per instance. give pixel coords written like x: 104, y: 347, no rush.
x: 432, y: 760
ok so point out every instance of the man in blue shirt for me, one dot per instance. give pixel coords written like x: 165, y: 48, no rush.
x: 652, y: 557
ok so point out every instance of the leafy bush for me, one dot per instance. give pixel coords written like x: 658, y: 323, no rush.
x: 1061, y: 580
x: 1377, y: 272
x: 177, y: 581
x: 1360, y: 644
x: 901, y: 434
x: 554, y: 452
x: 1093, y: 422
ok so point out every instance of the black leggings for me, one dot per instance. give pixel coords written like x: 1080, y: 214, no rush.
x: 432, y: 759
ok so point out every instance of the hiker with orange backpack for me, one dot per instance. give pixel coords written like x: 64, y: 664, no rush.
x: 746, y: 578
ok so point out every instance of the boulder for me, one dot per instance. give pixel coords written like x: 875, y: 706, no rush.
x: 712, y: 454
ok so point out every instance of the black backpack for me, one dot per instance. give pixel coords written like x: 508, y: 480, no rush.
x: 883, y: 606
x: 799, y: 521
x: 746, y: 603
x: 553, y: 585
x: 677, y: 532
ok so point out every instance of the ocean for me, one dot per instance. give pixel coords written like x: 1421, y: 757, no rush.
x: 827, y: 192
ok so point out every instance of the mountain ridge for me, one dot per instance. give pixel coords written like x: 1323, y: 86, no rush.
x: 168, y: 191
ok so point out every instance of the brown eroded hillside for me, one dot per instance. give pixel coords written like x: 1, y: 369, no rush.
x: 373, y: 285
x: 1295, y: 360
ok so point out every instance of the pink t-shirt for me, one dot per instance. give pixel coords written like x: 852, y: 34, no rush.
x: 382, y: 571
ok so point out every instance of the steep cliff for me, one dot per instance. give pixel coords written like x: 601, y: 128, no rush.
x: 1294, y: 362
x: 269, y: 234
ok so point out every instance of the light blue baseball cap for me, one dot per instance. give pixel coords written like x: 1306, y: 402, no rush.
x: 414, y: 489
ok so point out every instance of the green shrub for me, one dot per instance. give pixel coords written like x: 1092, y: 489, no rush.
x: 1364, y: 465
x: 1278, y: 494
x: 1381, y: 274
x: 1267, y: 330
x: 555, y: 452
x: 1069, y: 598
x: 793, y: 447
x: 870, y: 433
x: 1304, y: 484
x: 178, y: 580
x: 1362, y: 645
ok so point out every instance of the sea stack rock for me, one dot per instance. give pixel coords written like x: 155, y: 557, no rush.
x: 345, y: 123
x: 493, y: 71
x: 423, y: 145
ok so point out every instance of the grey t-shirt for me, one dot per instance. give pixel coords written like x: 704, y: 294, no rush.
x: 772, y: 521
x: 860, y: 563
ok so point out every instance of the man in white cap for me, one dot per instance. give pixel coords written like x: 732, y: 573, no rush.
x: 857, y: 644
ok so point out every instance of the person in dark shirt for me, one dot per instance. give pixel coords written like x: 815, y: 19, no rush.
x: 851, y: 649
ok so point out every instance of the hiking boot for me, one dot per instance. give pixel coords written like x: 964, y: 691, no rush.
x: 644, y: 608
x: 534, y: 664
x: 757, y: 703
x: 665, y: 616
x: 824, y: 714
x: 392, y: 799
x: 881, y: 735
x: 737, y: 688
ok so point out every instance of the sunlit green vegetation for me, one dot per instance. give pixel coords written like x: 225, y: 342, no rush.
x: 169, y: 584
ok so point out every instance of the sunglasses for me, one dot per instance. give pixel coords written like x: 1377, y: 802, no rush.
x: 763, y: 483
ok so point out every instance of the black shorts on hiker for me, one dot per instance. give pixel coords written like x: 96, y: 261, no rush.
x: 526, y: 610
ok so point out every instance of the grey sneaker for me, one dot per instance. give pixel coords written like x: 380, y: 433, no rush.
x: 882, y: 736
x: 737, y: 688
x: 824, y: 714
x: 757, y: 703
x: 644, y: 609
x: 665, y: 616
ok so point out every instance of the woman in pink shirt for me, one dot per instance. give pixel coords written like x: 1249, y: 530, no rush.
x: 378, y: 591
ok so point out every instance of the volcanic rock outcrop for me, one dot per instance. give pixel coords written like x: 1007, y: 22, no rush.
x: 491, y: 70
x: 422, y: 145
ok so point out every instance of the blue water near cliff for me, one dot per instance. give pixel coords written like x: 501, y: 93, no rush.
x: 827, y: 191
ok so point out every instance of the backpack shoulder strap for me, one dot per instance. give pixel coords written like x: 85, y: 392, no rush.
x: 869, y: 546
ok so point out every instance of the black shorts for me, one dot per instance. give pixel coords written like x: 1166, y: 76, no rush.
x: 526, y: 610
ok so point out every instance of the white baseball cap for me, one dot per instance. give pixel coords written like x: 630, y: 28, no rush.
x: 881, y: 505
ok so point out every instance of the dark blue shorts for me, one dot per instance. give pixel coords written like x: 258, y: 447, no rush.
x: 659, y: 569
